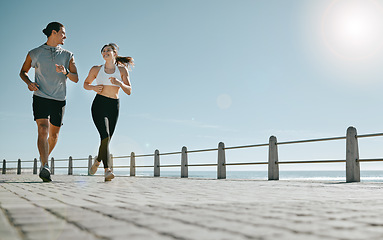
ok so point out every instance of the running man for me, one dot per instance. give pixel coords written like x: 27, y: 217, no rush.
x: 53, y: 65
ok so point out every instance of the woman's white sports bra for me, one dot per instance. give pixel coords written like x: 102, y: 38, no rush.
x: 103, y: 77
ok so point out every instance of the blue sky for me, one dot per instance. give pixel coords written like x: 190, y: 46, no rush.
x: 207, y: 71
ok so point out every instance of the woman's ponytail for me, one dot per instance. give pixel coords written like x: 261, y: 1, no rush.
x: 126, y: 61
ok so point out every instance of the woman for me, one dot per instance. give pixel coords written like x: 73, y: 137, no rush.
x: 110, y: 78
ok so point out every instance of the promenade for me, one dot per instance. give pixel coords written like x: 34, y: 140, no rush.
x: 82, y: 207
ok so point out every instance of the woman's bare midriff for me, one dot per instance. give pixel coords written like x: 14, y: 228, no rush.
x: 110, y: 91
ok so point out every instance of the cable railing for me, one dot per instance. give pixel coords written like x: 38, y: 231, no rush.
x: 352, y: 158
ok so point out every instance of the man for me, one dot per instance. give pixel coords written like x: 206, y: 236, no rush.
x: 53, y: 65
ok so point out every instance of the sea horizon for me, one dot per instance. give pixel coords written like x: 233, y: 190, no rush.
x: 309, y: 175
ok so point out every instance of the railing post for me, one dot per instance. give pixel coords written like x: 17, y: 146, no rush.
x: 157, y: 163
x: 4, y: 171
x: 132, y: 164
x: 221, y: 166
x: 352, y: 156
x: 184, y: 163
x: 70, y: 166
x: 89, y: 163
x: 52, y: 166
x: 110, y: 163
x: 273, y: 168
x: 19, y: 166
x: 35, y: 166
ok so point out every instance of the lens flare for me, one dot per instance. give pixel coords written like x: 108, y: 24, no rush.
x: 224, y: 101
x: 353, y: 29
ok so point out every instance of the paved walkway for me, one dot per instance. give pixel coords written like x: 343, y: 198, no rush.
x: 82, y: 207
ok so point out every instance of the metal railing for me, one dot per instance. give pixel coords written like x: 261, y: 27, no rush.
x: 352, y: 158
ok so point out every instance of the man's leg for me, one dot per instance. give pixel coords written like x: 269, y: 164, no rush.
x: 53, y: 137
x: 42, y: 144
x: 42, y: 140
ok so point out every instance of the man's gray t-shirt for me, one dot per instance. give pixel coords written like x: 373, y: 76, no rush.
x: 52, y: 85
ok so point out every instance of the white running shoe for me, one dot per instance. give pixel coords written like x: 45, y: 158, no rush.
x: 94, y: 167
x: 109, y: 175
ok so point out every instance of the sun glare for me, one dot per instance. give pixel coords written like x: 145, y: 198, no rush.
x: 353, y: 29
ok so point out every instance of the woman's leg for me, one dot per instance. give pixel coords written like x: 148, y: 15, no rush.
x: 99, y: 110
x: 110, y: 123
x: 113, y: 116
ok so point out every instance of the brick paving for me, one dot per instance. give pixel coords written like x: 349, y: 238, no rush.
x: 82, y: 207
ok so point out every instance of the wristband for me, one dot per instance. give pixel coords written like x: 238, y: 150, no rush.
x: 67, y: 71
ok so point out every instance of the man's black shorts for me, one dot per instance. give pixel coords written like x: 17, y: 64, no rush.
x: 44, y: 108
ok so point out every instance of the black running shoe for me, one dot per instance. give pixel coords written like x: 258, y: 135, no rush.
x: 45, y: 174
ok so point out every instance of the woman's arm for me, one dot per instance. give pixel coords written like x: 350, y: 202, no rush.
x: 125, y: 83
x: 91, y: 76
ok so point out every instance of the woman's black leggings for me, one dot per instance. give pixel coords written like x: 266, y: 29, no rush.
x: 105, y: 113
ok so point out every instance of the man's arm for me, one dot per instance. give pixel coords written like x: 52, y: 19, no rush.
x: 72, y: 74
x: 72, y: 71
x: 32, y: 86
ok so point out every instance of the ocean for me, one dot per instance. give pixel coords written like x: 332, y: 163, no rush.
x: 340, y: 176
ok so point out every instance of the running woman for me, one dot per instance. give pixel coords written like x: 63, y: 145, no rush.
x: 53, y: 65
x: 110, y: 78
